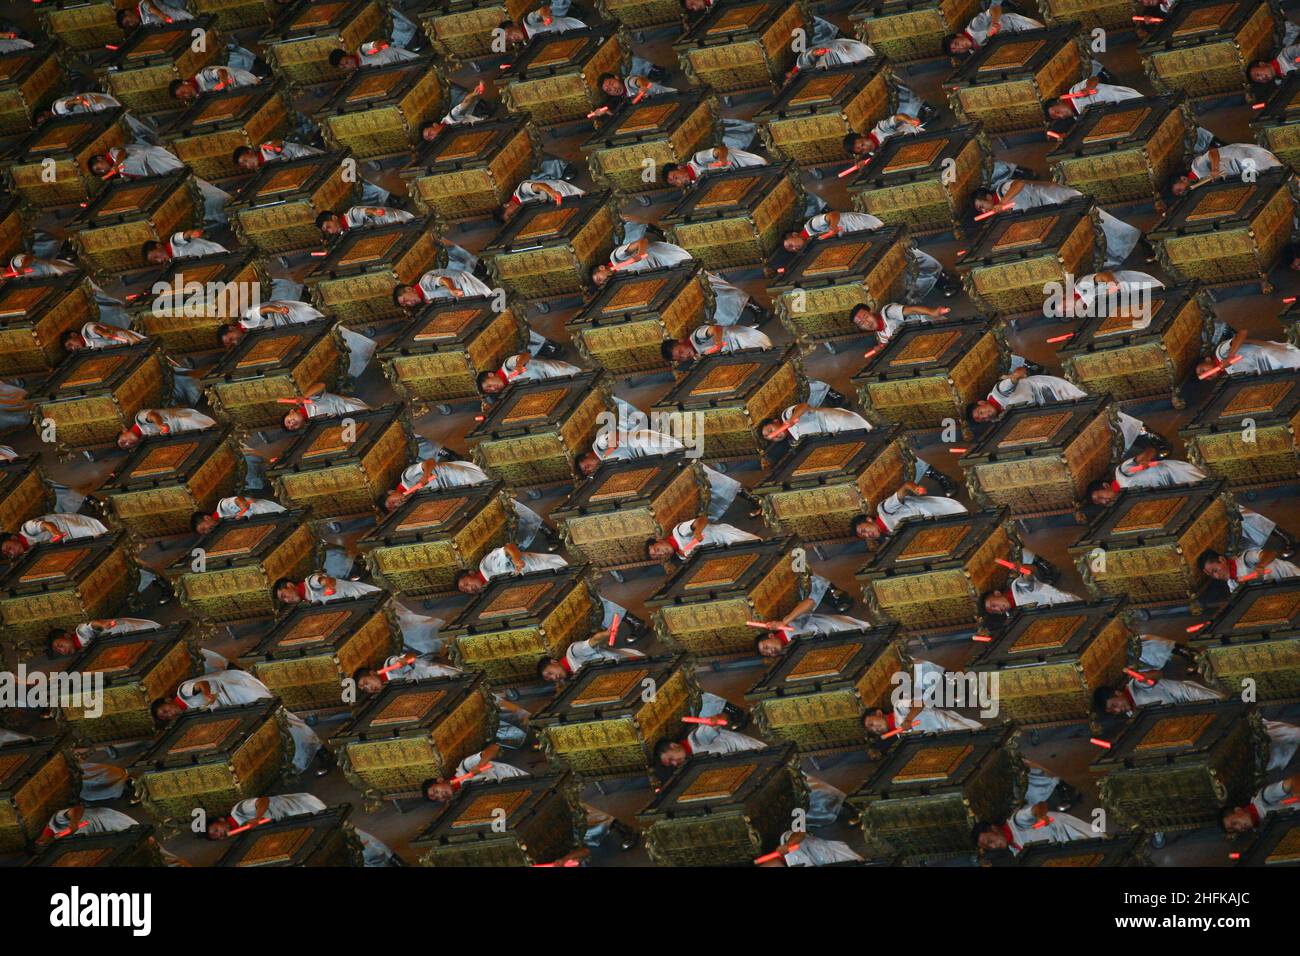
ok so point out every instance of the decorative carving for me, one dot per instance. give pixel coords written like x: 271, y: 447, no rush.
x: 1175, y: 732
x: 933, y: 763
x: 716, y: 784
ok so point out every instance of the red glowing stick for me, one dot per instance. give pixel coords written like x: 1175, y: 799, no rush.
x: 706, y: 721
x: 782, y: 429
x: 1023, y: 569
x: 1139, y: 677
x: 1060, y: 338
x: 1078, y: 95
x: 473, y: 773
x: 248, y: 826
x: 854, y: 168
x: 873, y: 352
x: 1198, y: 627
x: 565, y: 863
x: 1148, y: 19
x: 761, y: 625
x: 613, y: 630
x: 1289, y: 299
x: 1248, y: 577
x: 1234, y: 856
x: 1292, y: 799
x: 1258, y: 106
x: 981, y: 638
x: 1046, y: 821
x: 1106, y: 744
x: 83, y: 823
x: 769, y: 857
x: 320, y: 252
x: 1053, y: 134
x: 898, y: 730
x: 109, y: 46
x: 402, y: 662
x: 958, y: 451
x: 592, y: 115
x: 993, y: 212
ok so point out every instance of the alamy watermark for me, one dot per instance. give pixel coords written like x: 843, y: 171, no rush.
x: 39, y: 690
x: 946, y: 690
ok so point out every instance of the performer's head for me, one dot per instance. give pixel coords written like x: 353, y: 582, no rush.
x: 470, y: 581
x: 491, y: 382
x: 73, y: 341
x: 552, y: 670
x: 1261, y: 71
x: 393, y: 500
x: 187, y: 91
x: 295, y: 420
x: 866, y: 528
x: 677, y: 175
x: 128, y: 438
x: 368, y: 680
x: 437, y: 790
x: 860, y: 145
x: 1060, y: 109
x: 1110, y: 700
x: 330, y: 223
x: 588, y: 464
x: 600, y: 274
x: 793, y: 241
x: 247, y: 158
x: 407, y: 296
x: 165, y: 710
x: 1102, y: 493
x: 866, y: 318
x: 958, y: 45
x: 660, y: 549
x: 1237, y: 820
x: 201, y: 522
x: 981, y: 412
x: 513, y: 32
x: 99, y: 164
x: 985, y: 199
x: 1214, y: 565
x: 671, y: 753
x: 996, y: 602
x: 989, y: 836
x: 345, y: 61
x: 1180, y: 184
x: 218, y: 828
x: 61, y: 642
x: 875, y: 723
x: 128, y: 19
x: 155, y: 253
x: 229, y: 334
x: 677, y: 351
x: 13, y: 546
x: 611, y: 85
x: 769, y: 644
x: 286, y: 592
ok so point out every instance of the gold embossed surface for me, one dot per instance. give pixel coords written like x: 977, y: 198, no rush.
x: 91, y: 857
x: 483, y: 809
x: 915, y: 155
x: 837, y: 258
x: 203, y: 736
x: 1026, y: 232
x: 372, y: 86
x: 534, y: 405
x: 1287, y: 849
x: 623, y: 484
x: 1220, y: 204
x: 1203, y: 19
x: 1270, y: 609
x: 634, y: 295
x: 558, y: 51
x: 286, y: 179
x: 329, y: 441
x: 446, y: 325
x: 735, y: 19
x: 118, y: 657
x: 722, y: 379
x: 1119, y: 125
x: 1170, y: 732
x: 827, y: 458
x: 720, y: 571
x: 650, y: 116
x: 716, y: 784
x: 929, y: 543
x: 369, y: 248
x: 431, y: 514
x: 519, y: 599
x: 319, y: 15
x: 1148, y: 515
x: 163, y: 460
x: 313, y: 628
x: 610, y: 688
x: 933, y: 763
x: 1033, y: 429
x: 407, y: 708
x: 18, y: 301
x: 464, y: 145
x: 9, y: 763
x: 1012, y: 55
x: 218, y: 110
x: 1046, y: 633
x: 924, y: 348
x: 278, y: 847
x: 546, y: 223
x: 93, y: 371
x: 820, y: 89
x: 822, y: 662
x: 228, y: 539
x: 267, y: 351
x: 716, y: 193
x: 1255, y: 399
x: 47, y: 567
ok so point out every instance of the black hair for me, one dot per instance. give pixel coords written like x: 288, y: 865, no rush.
x: 669, y: 167
x: 970, y: 415
x: 195, y: 519
x: 985, y: 596
x: 424, y: 788
x: 324, y: 218
x: 849, y: 141
x: 947, y: 45
x: 122, y: 15
x: 1095, y: 486
x: 156, y: 706
x: 860, y: 306
x: 979, y: 829
x: 1208, y: 555
x: 336, y: 57
x: 397, y: 291
x: 666, y: 349
x: 461, y: 575
x: 758, y: 641
x: 984, y: 192
x: 149, y: 247
x: 240, y: 152
x: 482, y: 378
x: 600, y: 80
x: 428, y: 124
x: 68, y: 335
x: 661, y: 748
x: 542, y: 663
x: 1100, y: 696
x: 281, y: 583
x: 855, y: 521
x: 174, y: 86
x: 55, y: 634
x: 225, y: 327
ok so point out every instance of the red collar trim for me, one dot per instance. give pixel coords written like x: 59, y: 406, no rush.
x: 890, y: 720
x: 686, y: 745
x: 1011, y: 596
x: 302, y: 590
x: 884, y: 529
x: 995, y: 403
x: 1128, y: 695
x: 564, y: 662
x: 137, y: 430
x: 1010, y: 837
x: 1254, y: 813
x: 344, y: 224
x: 690, y: 171
x: 1232, y: 568
x: 180, y: 703
x: 1115, y: 485
x: 1277, y: 67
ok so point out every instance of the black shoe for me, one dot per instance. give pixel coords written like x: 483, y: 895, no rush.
x: 946, y: 484
x: 737, y: 718
x: 636, y: 628
x: 834, y: 399
x: 1064, y: 797
x: 840, y: 601
x: 949, y: 285
x: 548, y: 350
x: 1287, y: 543
x: 552, y: 538
x: 753, y: 314
x: 657, y: 73
x: 1023, y: 172
x: 755, y: 503
x: 628, y: 837
x: 1033, y: 368
x: 1046, y: 571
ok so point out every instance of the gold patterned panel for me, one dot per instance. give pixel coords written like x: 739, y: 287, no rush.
x: 1287, y: 849
x: 1046, y: 633
x: 716, y: 784
x: 368, y: 248
x: 9, y: 763
x: 163, y: 460
x: 925, y: 348
x: 266, y: 350
x: 828, y: 458
x: 48, y: 567
x: 191, y: 271
x: 722, y: 379
x: 520, y: 599
x: 1220, y: 204
x: 1012, y: 55
x: 1270, y: 609
x: 720, y: 571
x: 318, y: 15
x: 735, y: 19
x: 1032, y: 429
x: 274, y: 848
x: 447, y: 325
x: 220, y: 109
x: 56, y: 139
x: 484, y: 809
x: 329, y: 441
x: 1179, y: 732
x: 822, y: 662
x: 126, y: 200
x: 93, y: 371
x: 431, y: 514
x: 373, y: 86
x: 624, y: 484
x: 1025, y: 232
x: 634, y: 295
x: 313, y: 628
x: 840, y: 257
x: 725, y: 192
x: 651, y: 116
x: 118, y: 657
x: 17, y: 301
x: 534, y: 405
x: 238, y: 540
x: 558, y: 51
x: 1203, y: 19
x: 610, y: 688
x: 1118, y: 125
x: 1118, y: 323
x: 821, y: 88
x: 206, y: 735
x: 933, y: 763
x: 916, y: 155
x: 1255, y: 399
x: 1081, y: 859
x: 546, y: 223
x: 928, y: 543
x: 464, y: 145
x: 155, y: 43
x: 91, y: 857
x: 1148, y: 515
x: 286, y: 179
x: 408, y: 708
